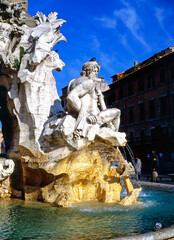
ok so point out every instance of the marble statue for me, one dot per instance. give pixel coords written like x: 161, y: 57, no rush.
x: 86, y: 102
x: 27, y: 62
x: 86, y: 117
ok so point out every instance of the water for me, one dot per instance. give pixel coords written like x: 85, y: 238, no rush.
x: 84, y: 221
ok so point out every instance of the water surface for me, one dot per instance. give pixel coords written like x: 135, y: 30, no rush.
x: 84, y: 221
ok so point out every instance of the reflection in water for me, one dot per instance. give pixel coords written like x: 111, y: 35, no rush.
x: 27, y: 220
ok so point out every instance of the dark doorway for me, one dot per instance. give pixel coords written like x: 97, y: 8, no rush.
x: 7, y: 119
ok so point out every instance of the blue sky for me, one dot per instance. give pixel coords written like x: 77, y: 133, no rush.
x: 116, y: 32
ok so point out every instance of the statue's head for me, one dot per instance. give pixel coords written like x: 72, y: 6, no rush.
x: 91, y: 67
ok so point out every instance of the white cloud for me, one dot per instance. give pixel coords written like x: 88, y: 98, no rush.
x: 94, y: 42
x: 124, y: 42
x: 107, y: 22
x: 125, y: 3
x: 131, y: 20
x: 108, y: 62
x: 161, y: 14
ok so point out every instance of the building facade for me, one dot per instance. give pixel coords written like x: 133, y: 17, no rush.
x: 145, y: 96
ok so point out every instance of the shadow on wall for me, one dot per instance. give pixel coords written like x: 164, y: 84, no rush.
x: 56, y: 108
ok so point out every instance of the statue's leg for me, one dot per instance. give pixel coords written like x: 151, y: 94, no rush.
x: 111, y: 117
x: 116, y: 121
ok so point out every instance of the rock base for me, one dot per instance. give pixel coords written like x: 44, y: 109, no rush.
x: 85, y: 175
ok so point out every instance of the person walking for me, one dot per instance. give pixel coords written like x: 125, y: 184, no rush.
x: 138, y: 168
x: 154, y: 171
x: 155, y: 176
x: 154, y: 163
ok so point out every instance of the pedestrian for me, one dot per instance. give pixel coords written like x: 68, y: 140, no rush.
x: 154, y: 175
x: 155, y: 163
x: 138, y: 168
x: 154, y: 170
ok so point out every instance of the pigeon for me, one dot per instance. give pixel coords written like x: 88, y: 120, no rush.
x: 92, y: 59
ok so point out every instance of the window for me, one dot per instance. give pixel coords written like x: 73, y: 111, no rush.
x: 130, y: 89
x: 122, y: 122
x: 164, y: 131
x: 131, y: 136
x: 131, y: 114
x: 121, y: 92
x: 172, y: 104
x: 142, y: 134
x: 141, y: 111
x: 163, y: 106
x: 152, y: 108
x: 141, y: 85
x: 162, y: 75
x: 173, y: 131
x: 151, y: 82
x: 172, y: 72
x: 152, y: 133
x: 111, y: 98
x: 161, y: 132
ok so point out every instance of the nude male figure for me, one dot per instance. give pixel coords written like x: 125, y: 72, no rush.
x: 86, y: 103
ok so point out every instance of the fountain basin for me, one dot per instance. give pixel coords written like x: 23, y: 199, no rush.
x: 33, y: 220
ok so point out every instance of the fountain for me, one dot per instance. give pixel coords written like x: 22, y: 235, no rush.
x: 55, y: 156
x: 59, y: 157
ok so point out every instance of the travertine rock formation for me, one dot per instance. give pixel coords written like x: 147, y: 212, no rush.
x: 87, y: 175
x: 6, y: 168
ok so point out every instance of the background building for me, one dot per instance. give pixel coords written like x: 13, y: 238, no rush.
x: 145, y: 96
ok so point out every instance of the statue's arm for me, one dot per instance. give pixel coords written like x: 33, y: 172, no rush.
x: 74, y: 97
x: 101, y: 100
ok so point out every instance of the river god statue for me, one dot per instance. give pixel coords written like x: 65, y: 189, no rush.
x: 86, y: 102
